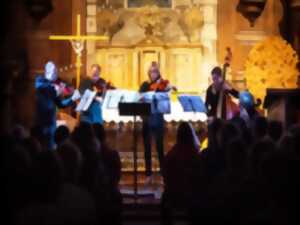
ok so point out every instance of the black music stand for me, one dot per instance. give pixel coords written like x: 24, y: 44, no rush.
x: 134, y: 109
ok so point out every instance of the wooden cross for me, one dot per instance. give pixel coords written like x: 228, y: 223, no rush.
x: 77, y: 42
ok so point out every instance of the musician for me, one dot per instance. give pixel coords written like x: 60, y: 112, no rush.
x: 49, y: 96
x: 95, y: 83
x: 213, y: 93
x: 153, y: 125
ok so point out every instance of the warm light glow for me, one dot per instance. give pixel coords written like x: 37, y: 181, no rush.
x: 271, y: 64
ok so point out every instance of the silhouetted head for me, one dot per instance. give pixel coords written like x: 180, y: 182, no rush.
x: 47, y: 176
x: 84, y: 136
x: 100, y: 132
x: 62, y: 133
x: 261, y: 149
x: 38, y: 133
x: 236, y: 155
x: 260, y: 127
x: 275, y: 130
x: 228, y: 132
x: 72, y: 161
x: 214, y: 129
x: 15, y: 171
x: 243, y: 129
x: 185, y: 135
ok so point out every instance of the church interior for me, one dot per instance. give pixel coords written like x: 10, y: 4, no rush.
x: 256, y: 45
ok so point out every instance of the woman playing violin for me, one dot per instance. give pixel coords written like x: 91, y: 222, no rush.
x: 153, y: 125
x: 98, y: 84
x: 157, y: 83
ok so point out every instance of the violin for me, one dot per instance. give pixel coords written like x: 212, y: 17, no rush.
x: 64, y: 89
x: 101, y: 86
x: 159, y: 85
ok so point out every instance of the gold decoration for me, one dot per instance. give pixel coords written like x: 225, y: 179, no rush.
x: 191, y: 21
x: 271, y: 64
x: 152, y: 20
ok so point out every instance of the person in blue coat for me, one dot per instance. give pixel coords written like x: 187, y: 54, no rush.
x: 48, y: 98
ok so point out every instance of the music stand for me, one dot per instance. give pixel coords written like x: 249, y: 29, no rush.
x: 192, y: 103
x: 134, y: 109
x: 160, y: 101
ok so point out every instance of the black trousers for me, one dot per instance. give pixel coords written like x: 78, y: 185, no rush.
x: 156, y: 133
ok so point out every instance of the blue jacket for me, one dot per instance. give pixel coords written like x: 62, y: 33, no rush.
x: 94, y: 112
x: 47, y: 101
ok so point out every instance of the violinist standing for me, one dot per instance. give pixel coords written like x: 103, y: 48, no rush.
x: 153, y: 125
x: 95, y: 83
x: 49, y: 95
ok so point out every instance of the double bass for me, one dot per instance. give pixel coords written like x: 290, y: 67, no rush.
x: 231, y: 108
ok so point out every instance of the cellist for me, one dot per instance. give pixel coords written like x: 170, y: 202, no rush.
x: 213, y: 94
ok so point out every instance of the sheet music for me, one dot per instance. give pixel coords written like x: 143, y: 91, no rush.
x: 113, y: 97
x: 86, y: 100
x: 160, y: 101
x: 192, y: 103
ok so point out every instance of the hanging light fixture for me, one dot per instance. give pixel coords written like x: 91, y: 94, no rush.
x: 38, y: 9
x: 251, y: 9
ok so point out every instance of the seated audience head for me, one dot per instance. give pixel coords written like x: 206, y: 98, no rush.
x: 100, y: 132
x: 20, y: 133
x: 261, y: 149
x: 84, y: 136
x: 83, y: 131
x: 47, y: 176
x: 214, y: 129
x: 287, y: 144
x: 243, y: 129
x: 228, y: 132
x: 236, y: 155
x: 16, y: 166
x: 185, y: 135
x: 33, y: 146
x: 275, y: 130
x: 291, y: 141
x: 62, y: 133
x: 72, y: 161
x: 38, y: 134
x: 260, y: 128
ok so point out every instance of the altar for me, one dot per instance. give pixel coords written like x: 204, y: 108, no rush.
x: 180, y: 37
